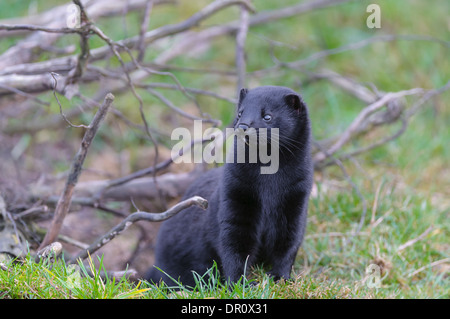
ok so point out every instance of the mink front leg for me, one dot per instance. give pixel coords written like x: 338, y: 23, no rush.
x: 237, y: 240
x: 236, y: 255
x: 288, y: 242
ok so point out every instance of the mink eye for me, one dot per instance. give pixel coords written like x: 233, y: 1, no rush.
x: 267, y: 117
x: 240, y: 114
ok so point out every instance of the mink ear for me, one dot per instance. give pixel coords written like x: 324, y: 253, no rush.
x: 294, y: 101
x: 242, y: 95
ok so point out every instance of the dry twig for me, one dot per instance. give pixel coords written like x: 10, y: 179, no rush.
x: 66, y: 197
x: 415, y: 240
x: 363, y: 115
x: 127, y: 222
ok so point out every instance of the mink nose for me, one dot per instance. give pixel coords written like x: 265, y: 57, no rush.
x: 243, y: 127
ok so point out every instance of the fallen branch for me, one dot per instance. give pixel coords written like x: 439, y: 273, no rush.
x: 138, y: 216
x: 29, y: 27
x: 362, y: 116
x: 396, y: 111
x: 171, y: 186
x: 415, y: 240
x: 64, y: 202
x: 435, y: 263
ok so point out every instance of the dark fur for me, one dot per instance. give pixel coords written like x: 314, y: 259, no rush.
x: 251, y: 218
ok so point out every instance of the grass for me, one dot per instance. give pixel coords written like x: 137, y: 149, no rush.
x: 404, y: 183
x: 59, y: 281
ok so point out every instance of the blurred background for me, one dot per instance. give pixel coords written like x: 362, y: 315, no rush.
x: 388, y: 183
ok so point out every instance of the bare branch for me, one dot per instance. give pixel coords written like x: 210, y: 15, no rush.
x: 27, y: 95
x: 144, y: 27
x: 168, y: 103
x: 430, y: 94
x: 172, y: 29
x: 383, y: 141
x: 64, y: 202
x: 400, y: 115
x: 37, y: 28
x: 25, y: 83
x: 60, y: 106
x: 347, y: 84
x: 240, y: 48
x: 143, y: 172
x: 300, y: 8
x: 138, y: 216
x: 82, y: 59
x: 435, y: 263
x: 155, y: 85
x: 171, y: 185
x: 415, y: 240
x: 365, y: 113
x: 58, y: 65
